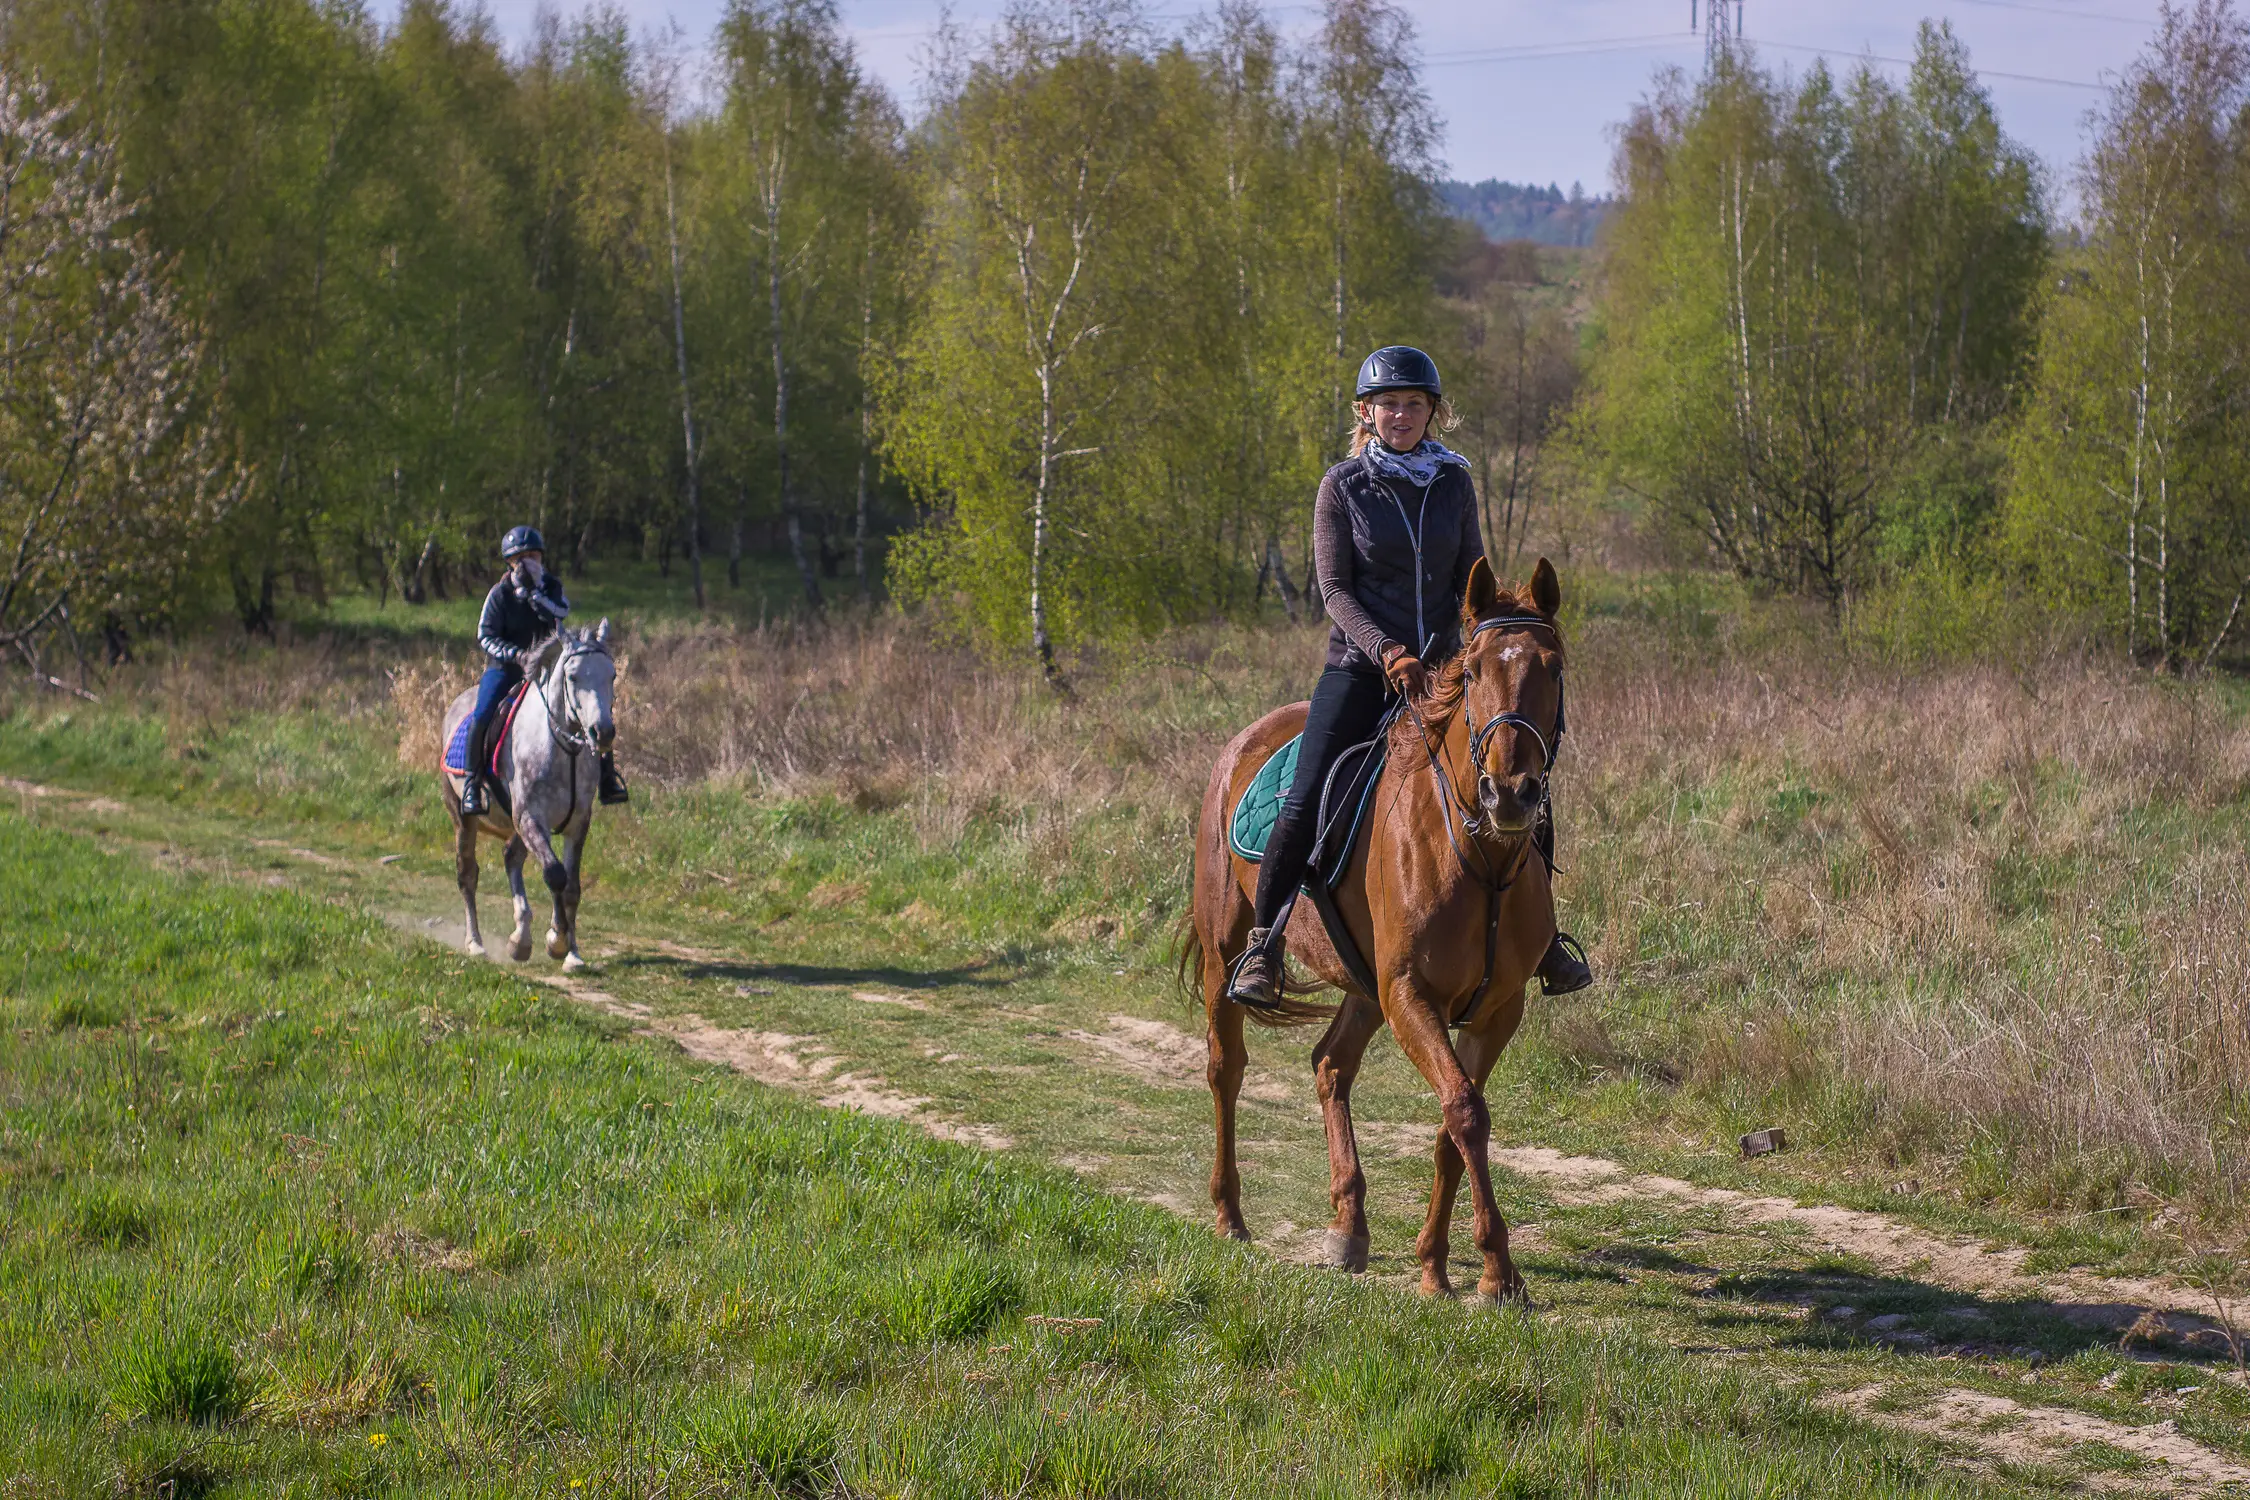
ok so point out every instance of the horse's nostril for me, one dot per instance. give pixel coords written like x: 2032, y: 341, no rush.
x: 1530, y: 793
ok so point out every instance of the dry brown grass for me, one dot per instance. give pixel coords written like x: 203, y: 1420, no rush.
x: 2001, y: 910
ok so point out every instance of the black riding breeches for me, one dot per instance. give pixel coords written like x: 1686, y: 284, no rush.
x: 1347, y: 707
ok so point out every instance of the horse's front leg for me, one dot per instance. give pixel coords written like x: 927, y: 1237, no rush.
x: 1336, y: 1063
x: 557, y: 875
x: 519, y: 941
x: 1422, y: 1036
x: 465, y: 873
x: 574, y: 855
x: 1478, y: 1049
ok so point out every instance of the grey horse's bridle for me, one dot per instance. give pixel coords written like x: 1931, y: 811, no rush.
x: 575, y: 738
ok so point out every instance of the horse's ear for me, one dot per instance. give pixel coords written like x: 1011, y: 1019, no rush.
x: 601, y: 632
x: 1484, y: 589
x: 1546, y: 588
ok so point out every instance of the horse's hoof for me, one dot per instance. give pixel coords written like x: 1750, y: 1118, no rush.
x: 1344, y: 1252
x: 557, y: 945
x: 1234, y: 1229
x: 1516, y: 1295
x: 572, y: 963
x: 474, y: 950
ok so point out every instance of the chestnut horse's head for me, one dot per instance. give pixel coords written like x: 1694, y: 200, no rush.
x: 1512, y: 693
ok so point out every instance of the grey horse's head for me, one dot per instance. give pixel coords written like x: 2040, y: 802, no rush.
x: 589, y: 681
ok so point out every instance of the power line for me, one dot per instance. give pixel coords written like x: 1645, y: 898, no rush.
x: 1534, y: 51
x: 1908, y: 62
x: 2056, y: 10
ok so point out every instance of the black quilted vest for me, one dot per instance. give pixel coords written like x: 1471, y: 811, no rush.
x: 1406, y: 546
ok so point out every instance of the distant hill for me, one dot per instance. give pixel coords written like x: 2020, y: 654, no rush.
x: 1519, y: 211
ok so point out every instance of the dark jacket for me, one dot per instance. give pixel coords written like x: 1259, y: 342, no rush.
x: 1392, y: 559
x: 515, y: 618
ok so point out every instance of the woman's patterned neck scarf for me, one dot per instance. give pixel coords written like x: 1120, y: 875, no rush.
x: 1418, y: 467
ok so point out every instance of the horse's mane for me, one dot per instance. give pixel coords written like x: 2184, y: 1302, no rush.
x: 1443, y: 700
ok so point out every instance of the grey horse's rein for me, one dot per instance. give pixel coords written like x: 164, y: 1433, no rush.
x: 576, y: 739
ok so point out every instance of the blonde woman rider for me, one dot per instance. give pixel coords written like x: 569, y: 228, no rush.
x: 1394, y: 536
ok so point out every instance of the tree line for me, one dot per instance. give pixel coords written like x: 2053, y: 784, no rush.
x: 1076, y: 343
x: 299, y: 302
x: 1842, y: 342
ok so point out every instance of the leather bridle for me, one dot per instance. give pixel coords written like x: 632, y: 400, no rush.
x: 1495, y: 886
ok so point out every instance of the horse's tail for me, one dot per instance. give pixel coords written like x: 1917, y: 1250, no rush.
x: 1187, y: 975
x: 1187, y: 957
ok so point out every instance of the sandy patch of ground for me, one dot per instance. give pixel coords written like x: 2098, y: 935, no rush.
x: 1169, y: 1058
x: 802, y: 1063
x: 2007, y: 1430
x: 876, y: 997
x: 310, y: 856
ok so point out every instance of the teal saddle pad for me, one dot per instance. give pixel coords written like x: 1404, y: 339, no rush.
x: 1259, y: 807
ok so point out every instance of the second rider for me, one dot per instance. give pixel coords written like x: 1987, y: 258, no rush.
x: 1394, y: 536
x: 525, y: 607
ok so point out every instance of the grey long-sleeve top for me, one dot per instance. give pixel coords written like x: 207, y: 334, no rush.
x: 1392, y: 559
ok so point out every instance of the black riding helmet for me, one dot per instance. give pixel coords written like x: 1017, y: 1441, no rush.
x: 519, y: 540
x: 1398, y: 367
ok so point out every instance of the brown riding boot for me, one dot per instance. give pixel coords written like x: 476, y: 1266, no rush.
x: 1256, y: 981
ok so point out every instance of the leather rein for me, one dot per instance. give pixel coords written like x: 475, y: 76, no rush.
x: 575, y: 739
x: 1472, y: 825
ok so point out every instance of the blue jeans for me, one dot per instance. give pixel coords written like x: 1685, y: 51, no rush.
x: 491, y: 688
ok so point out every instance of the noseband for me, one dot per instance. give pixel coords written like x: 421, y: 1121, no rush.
x: 576, y: 738
x: 1481, y: 738
x: 1495, y: 881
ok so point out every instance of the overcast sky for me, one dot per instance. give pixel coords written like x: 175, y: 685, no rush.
x: 1529, y: 88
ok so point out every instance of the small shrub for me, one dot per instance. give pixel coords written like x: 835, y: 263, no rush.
x: 959, y: 1298
x: 777, y: 1439
x: 181, y: 1377
x: 322, y: 1262
x: 1366, y: 1381
x: 170, y: 1473
x: 1096, y: 1457
x: 106, y: 1219
x: 1250, y: 1337
x: 1421, y: 1446
x: 84, y: 1010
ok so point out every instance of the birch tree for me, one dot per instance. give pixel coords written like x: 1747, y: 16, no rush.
x: 1046, y: 171
x: 2129, y: 468
x: 1783, y: 329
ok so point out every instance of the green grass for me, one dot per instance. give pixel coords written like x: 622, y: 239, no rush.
x: 291, y: 1206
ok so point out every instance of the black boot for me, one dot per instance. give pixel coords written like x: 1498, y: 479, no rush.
x: 476, y: 799
x: 1564, y: 970
x: 1256, y: 981
x: 613, y: 793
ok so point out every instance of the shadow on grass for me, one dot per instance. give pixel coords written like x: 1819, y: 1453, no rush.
x: 1916, y: 1317
x: 982, y: 975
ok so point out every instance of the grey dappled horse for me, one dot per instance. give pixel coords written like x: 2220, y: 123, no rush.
x: 549, y: 766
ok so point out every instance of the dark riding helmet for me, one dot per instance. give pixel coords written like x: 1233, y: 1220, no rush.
x: 1398, y: 367
x: 519, y: 540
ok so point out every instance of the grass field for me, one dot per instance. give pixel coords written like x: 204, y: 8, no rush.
x: 293, y: 1206
x: 1969, y: 930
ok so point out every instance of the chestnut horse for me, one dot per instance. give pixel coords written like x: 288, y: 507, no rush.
x: 1449, y: 831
